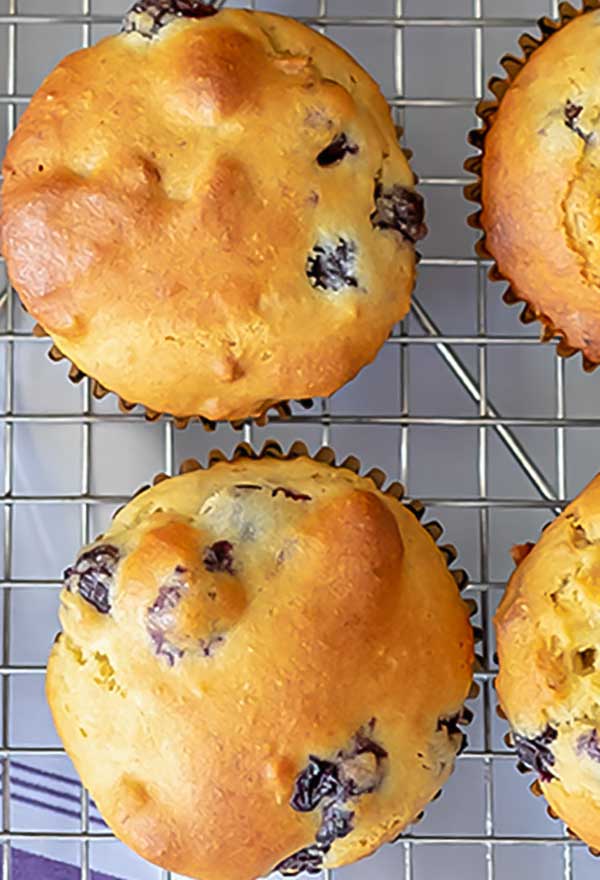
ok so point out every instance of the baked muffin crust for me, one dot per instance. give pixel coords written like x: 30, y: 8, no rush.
x: 548, y: 628
x: 209, y: 213
x: 278, y: 656
x: 539, y: 182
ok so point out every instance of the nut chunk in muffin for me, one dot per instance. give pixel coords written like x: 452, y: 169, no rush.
x: 209, y: 213
x: 548, y: 628
x: 280, y: 657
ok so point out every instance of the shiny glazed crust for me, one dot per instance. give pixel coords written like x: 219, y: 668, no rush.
x: 539, y: 178
x: 336, y: 616
x: 163, y: 199
x: 548, y: 629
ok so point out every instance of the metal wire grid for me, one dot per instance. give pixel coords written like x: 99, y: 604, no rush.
x: 487, y: 419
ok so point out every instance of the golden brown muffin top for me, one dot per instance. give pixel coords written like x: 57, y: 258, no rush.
x: 540, y: 178
x: 548, y: 628
x: 261, y: 661
x: 211, y: 214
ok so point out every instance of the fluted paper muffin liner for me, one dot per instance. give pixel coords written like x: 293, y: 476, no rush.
x: 535, y: 787
x: 486, y: 110
x: 282, y: 408
x: 326, y: 455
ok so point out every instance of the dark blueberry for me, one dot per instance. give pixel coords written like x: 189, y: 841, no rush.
x: 219, y: 557
x: 168, y: 598
x: 163, y: 647
x: 364, y: 743
x: 589, y: 744
x: 584, y: 662
x: 249, y: 487
x: 335, y: 823
x: 318, y: 780
x: 355, y: 771
x: 336, y: 150
x: 401, y: 209
x: 572, y: 114
x: 159, y: 617
x: 535, y: 754
x: 361, y: 767
x: 332, y: 266
x: 309, y: 860
x: 293, y: 496
x: 147, y: 17
x: 92, y: 576
x: 210, y: 645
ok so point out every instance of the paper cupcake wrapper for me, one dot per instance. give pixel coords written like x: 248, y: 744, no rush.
x: 326, y: 455
x: 535, y: 787
x: 486, y: 111
x: 282, y: 408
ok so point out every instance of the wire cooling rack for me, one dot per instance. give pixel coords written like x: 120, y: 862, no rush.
x: 463, y: 405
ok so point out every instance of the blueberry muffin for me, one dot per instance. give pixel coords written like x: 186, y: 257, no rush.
x: 539, y: 180
x: 262, y: 665
x: 209, y: 212
x: 548, y: 628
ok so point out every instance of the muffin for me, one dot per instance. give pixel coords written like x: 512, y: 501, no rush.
x: 262, y: 665
x: 210, y: 213
x: 548, y: 628
x: 538, y: 189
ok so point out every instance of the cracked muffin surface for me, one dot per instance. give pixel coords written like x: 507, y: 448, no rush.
x: 540, y: 178
x: 548, y: 629
x: 262, y: 665
x: 210, y: 213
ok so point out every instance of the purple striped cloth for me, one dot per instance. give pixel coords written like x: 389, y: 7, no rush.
x: 27, y: 866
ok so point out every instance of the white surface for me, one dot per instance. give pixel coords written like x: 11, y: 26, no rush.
x: 444, y: 462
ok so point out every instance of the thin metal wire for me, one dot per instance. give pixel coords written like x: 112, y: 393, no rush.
x: 488, y: 418
x: 561, y: 477
x: 399, y: 85
x: 11, y: 118
x: 315, y: 21
x: 519, y: 453
x: 400, y: 339
x: 484, y: 408
x: 333, y: 418
x: 324, y: 404
x: 477, y: 840
x: 84, y: 852
x: 437, y: 501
